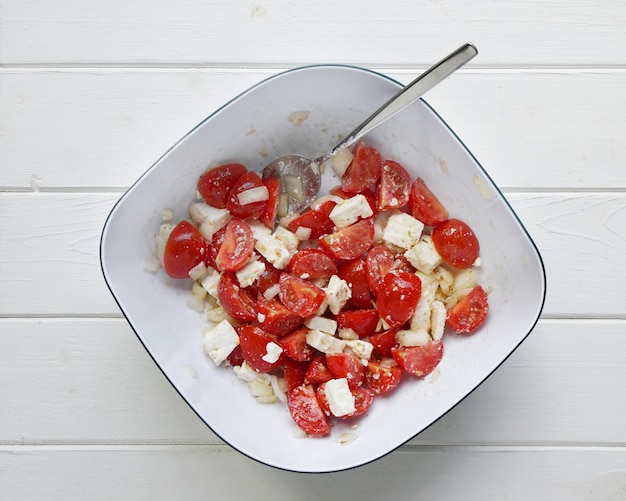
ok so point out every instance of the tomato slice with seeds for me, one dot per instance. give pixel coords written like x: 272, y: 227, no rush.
x: 470, y: 312
x: 317, y: 220
x: 312, y: 264
x: 363, y: 398
x: 394, y: 186
x: 419, y: 360
x: 255, y: 347
x: 424, y: 205
x: 363, y: 171
x: 349, y: 242
x: 378, y: 263
x: 237, y: 302
x: 363, y: 322
x: 399, y: 294
x: 185, y: 248
x: 300, y: 296
x: 355, y: 275
x: 237, y: 247
x: 381, y: 379
x: 276, y: 318
x: 268, y: 218
x: 294, y: 372
x: 295, y: 346
x: 382, y: 342
x: 252, y: 210
x: 306, y: 411
x: 215, y: 184
x: 346, y: 365
x: 214, y: 245
x: 317, y: 371
x: 456, y: 243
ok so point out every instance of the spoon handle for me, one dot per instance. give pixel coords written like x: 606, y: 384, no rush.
x: 410, y: 93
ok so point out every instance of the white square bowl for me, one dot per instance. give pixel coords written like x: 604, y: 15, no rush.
x: 253, y: 129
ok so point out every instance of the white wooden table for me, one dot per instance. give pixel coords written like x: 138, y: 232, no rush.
x: 92, y: 93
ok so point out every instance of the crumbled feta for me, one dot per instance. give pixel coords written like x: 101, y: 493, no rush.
x: 327, y: 325
x: 324, y: 342
x: 360, y: 348
x: 259, y: 229
x: 219, y: 341
x: 288, y: 238
x: 423, y: 255
x: 340, y: 398
x: 248, y: 374
x: 199, y: 271
x: 413, y: 337
x: 272, y: 352
x: 350, y: 210
x: 247, y: 275
x: 420, y: 320
x: 209, y: 219
x: 210, y: 282
x: 337, y: 294
x: 274, y: 250
x: 402, y: 230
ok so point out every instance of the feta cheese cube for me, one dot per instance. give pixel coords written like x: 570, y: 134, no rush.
x: 288, y: 238
x: 253, y: 195
x: 340, y: 398
x: 423, y: 255
x: 324, y: 342
x: 327, y: 325
x: 413, y: 337
x: 272, y: 352
x: 219, y: 341
x: 360, y: 348
x: 250, y: 272
x: 420, y: 320
x: 402, y: 230
x: 274, y: 250
x: 209, y: 219
x: 248, y: 374
x: 259, y: 230
x: 350, y: 210
x: 337, y: 294
x: 210, y: 282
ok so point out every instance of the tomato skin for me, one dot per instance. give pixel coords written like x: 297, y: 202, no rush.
x: 363, y: 322
x: 184, y: 249
x: 317, y: 372
x: 306, y: 411
x: 312, y: 262
x: 215, y: 184
x: 236, y: 357
x: 268, y: 218
x: 363, y: 171
x: 254, y: 341
x: 295, y: 346
x: 317, y: 220
x: 275, y: 318
x: 382, y: 342
x: 214, y: 246
x: 381, y: 379
x: 252, y: 210
x: 469, y: 313
x: 456, y: 243
x: 294, y: 373
x: 237, y: 246
x: 355, y: 275
x: 418, y: 361
x: 346, y: 365
x: 424, y: 205
x: 349, y: 242
x: 300, y: 296
x: 237, y: 302
x: 399, y: 294
x: 378, y: 263
x: 394, y: 186
x: 268, y: 278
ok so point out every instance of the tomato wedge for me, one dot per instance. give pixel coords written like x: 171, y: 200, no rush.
x: 419, y: 360
x: 295, y: 346
x: 252, y: 210
x: 237, y: 247
x: 346, y: 365
x: 363, y: 171
x: 256, y: 347
x: 268, y: 218
x: 276, y: 318
x: 215, y: 184
x: 306, y: 411
x: 456, y: 243
x: 378, y: 263
x: 363, y: 322
x: 382, y: 342
x: 312, y: 264
x: 185, y: 248
x: 317, y: 220
x: 294, y: 373
x: 381, y: 379
x: 317, y: 372
x: 237, y: 302
x: 470, y: 312
x: 394, y: 186
x: 349, y: 242
x: 300, y: 296
x: 399, y: 294
x: 355, y: 275
x: 424, y: 205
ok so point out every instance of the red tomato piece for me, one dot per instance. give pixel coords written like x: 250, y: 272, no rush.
x: 419, y: 360
x: 255, y: 347
x: 300, y: 296
x: 317, y: 220
x: 349, y: 242
x: 399, y: 294
x: 381, y: 379
x: 402, y: 263
x: 456, y: 243
x: 470, y: 312
x: 275, y: 318
x: 214, y: 245
x: 382, y: 342
x: 363, y: 322
x: 346, y: 365
x: 237, y: 247
x: 253, y: 210
x: 215, y: 184
x: 317, y: 372
x: 306, y: 411
x: 184, y: 249
x: 355, y: 275
x: 236, y: 357
x: 268, y: 218
x: 394, y: 186
x: 424, y: 205
x: 364, y: 170
x: 378, y: 263
x: 312, y: 262
x: 237, y: 302
x: 268, y: 278
x: 295, y: 346
x: 363, y: 398
x: 294, y: 373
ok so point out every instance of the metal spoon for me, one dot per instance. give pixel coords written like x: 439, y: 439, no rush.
x: 301, y: 176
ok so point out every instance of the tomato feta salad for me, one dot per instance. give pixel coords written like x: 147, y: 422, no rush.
x: 329, y: 309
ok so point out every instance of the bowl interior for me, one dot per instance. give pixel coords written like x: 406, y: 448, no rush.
x: 253, y: 129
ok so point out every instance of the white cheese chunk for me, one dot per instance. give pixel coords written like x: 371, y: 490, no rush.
x: 272, y: 352
x: 259, y: 229
x: 199, y: 271
x: 413, y: 337
x: 402, y: 230
x: 209, y: 219
x: 327, y: 325
x: 324, y: 342
x: 340, y: 398
x: 420, y: 320
x: 248, y: 374
x: 350, y: 210
x: 274, y: 250
x: 219, y: 341
x: 210, y: 282
x: 288, y: 238
x: 253, y: 195
x: 341, y: 160
x: 437, y: 320
x: 423, y: 255
x: 247, y: 275
x: 359, y: 348
x: 337, y: 294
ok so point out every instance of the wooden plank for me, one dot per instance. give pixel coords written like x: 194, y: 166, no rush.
x: 50, y: 252
x: 280, y: 31
x: 110, y: 125
x: 563, y: 386
x: 209, y: 472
